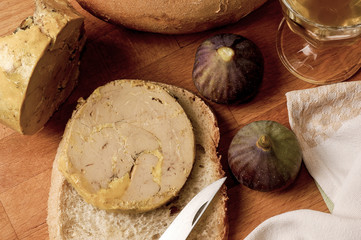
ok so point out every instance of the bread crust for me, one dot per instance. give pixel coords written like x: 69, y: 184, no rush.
x: 201, y: 106
x: 173, y: 16
x: 207, y: 135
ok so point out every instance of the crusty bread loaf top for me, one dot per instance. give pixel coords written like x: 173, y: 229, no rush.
x: 171, y: 17
x: 70, y: 217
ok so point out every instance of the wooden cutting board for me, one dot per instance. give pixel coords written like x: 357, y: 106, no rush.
x: 113, y: 53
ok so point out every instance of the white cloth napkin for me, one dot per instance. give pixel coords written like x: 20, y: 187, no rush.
x: 327, y: 123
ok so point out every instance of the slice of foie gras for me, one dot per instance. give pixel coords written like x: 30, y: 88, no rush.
x: 129, y: 146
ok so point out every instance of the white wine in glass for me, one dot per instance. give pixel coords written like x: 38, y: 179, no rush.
x: 319, y: 41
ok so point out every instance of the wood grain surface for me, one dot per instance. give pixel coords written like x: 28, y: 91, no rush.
x: 114, y: 52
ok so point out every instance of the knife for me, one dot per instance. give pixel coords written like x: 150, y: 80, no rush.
x: 183, y: 224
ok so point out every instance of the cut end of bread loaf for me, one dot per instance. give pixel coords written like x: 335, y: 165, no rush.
x: 70, y: 217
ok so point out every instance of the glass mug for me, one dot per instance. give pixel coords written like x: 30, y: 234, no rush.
x: 319, y: 41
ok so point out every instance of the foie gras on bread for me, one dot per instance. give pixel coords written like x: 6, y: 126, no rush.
x: 129, y: 146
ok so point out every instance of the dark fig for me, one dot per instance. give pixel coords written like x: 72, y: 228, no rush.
x: 265, y: 156
x: 228, y: 68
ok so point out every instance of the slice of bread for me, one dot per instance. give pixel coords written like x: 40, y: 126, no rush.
x: 70, y: 217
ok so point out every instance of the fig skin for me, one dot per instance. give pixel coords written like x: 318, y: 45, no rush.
x: 265, y: 156
x: 223, y: 77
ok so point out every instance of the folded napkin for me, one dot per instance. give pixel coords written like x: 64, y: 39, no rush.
x: 327, y: 123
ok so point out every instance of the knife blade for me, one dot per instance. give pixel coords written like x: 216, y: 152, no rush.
x: 183, y: 224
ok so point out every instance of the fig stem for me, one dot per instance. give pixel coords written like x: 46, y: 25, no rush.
x: 226, y: 53
x: 264, y: 143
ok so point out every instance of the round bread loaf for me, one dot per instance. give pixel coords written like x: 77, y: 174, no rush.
x: 171, y: 17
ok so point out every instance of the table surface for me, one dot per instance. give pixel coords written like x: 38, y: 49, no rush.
x: 114, y: 52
